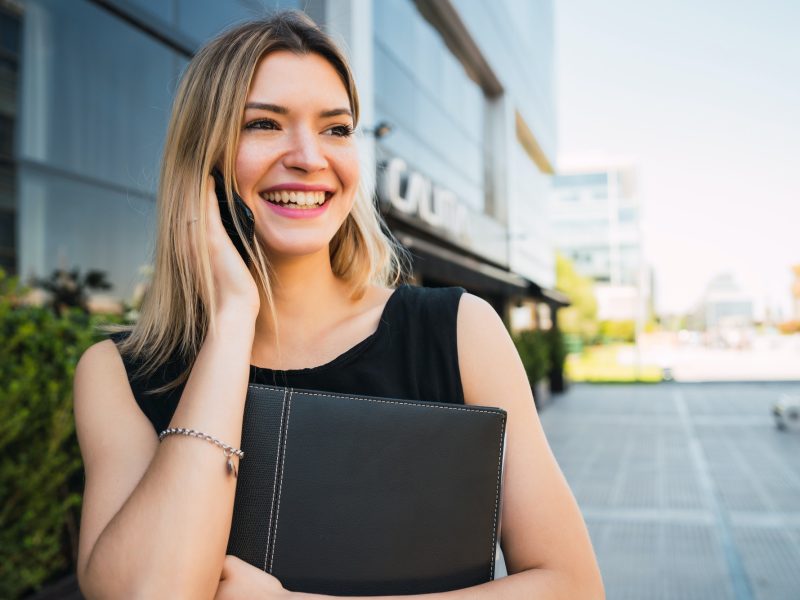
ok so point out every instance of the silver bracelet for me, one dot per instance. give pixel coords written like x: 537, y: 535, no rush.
x: 228, y: 450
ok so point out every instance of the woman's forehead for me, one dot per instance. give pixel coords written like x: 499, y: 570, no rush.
x: 300, y: 79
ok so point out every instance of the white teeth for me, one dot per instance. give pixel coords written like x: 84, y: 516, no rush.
x: 296, y: 197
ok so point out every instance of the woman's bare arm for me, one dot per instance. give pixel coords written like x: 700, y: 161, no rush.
x: 156, y: 517
x: 544, y: 539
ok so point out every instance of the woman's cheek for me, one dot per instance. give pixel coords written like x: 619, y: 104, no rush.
x: 348, y: 166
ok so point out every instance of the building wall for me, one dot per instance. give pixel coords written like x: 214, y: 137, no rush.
x: 10, y: 25
x: 437, y: 111
x: 517, y: 39
x: 96, y: 87
x: 461, y: 133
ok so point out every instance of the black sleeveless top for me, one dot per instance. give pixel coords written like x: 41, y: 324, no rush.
x: 411, y: 355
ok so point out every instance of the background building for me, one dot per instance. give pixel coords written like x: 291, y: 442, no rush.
x: 463, y: 177
x: 596, y: 220
x: 724, y: 307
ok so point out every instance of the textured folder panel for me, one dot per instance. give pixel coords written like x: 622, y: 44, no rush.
x: 255, y: 488
x: 366, y: 495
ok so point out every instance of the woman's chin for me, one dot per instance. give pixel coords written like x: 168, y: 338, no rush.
x: 296, y: 250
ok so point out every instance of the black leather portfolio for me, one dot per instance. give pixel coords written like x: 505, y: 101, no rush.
x: 354, y: 495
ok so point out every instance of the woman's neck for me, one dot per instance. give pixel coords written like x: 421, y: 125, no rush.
x: 306, y: 294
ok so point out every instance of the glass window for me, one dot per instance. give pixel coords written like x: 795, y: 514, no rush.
x: 99, y: 104
x: 10, y: 26
x: 437, y: 110
x: 85, y: 225
x: 203, y: 19
x: 163, y: 9
x: 9, y: 32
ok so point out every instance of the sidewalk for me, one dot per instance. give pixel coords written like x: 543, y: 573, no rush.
x: 688, y: 490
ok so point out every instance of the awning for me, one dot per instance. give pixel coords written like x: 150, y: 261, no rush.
x: 441, y: 263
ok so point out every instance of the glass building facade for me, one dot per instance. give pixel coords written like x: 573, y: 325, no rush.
x: 467, y: 87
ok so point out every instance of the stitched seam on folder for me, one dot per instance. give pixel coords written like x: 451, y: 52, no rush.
x: 280, y: 489
x: 496, y: 501
x: 431, y: 404
x: 272, y: 500
x: 471, y: 409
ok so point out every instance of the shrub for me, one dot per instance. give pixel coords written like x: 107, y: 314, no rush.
x: 533, y: 349
x: 41, y: 476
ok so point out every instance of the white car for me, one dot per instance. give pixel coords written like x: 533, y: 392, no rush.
x: 787, y: 412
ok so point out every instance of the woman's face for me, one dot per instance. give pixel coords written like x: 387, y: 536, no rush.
x: 296, y: 145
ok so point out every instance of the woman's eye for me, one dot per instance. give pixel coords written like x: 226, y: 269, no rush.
x: 341, y: 131
x: 267, y: 124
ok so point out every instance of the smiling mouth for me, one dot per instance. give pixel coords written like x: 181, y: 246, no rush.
x: 297, y: 199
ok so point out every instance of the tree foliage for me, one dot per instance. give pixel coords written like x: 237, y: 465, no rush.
x: 580, y: 318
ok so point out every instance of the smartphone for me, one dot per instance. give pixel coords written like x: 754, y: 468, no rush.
x: 242, y: 210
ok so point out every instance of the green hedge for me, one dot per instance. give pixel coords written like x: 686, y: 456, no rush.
x: 41, y: 476
x: 543, y: 355
x: 534, y: 350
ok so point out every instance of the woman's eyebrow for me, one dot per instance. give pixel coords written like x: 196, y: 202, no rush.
x: 282, y: 110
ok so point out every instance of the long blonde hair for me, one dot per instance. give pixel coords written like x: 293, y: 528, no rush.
x: 178, y: 309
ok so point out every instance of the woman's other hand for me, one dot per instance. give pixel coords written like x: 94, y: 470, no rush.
x: 236, y: 288
x: 242, y: 581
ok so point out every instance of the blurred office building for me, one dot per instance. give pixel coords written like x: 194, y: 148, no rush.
x: 725, y: 312
x: 457, y: 108
x: 596, y: 219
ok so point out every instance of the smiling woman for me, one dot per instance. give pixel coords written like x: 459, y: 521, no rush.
x: 314, y: 300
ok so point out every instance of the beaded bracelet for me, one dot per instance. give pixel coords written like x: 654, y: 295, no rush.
x: 228, y: 450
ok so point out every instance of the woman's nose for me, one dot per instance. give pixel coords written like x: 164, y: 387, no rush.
x: 305, y: 152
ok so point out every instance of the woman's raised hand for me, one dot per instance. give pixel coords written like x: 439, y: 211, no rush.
x: 236, y: 288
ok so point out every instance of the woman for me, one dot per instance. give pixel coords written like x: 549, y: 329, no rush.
x: 272, y: 104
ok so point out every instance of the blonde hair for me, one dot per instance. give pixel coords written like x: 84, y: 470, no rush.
x: 179, y: 306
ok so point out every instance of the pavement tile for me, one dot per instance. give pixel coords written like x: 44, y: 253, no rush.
x: 688, y: 490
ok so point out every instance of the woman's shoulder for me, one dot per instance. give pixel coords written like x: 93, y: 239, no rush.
x: 100, y: 383
x: 434, y: 298
x: 100, y: 355
x: 103, y: 358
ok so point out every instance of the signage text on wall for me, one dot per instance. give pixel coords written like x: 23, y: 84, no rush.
x: 414, y: 194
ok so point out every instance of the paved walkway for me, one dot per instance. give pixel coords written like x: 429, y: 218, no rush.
x: 688, y: 490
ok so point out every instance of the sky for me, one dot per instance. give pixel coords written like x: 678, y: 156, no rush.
x: 704, y: 96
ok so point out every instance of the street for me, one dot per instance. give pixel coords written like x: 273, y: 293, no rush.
x: 688, y: 490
